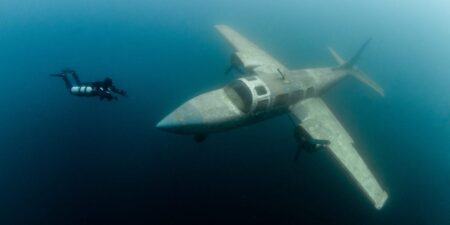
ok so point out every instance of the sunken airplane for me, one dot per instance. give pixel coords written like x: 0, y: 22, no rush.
x: 270, y: 89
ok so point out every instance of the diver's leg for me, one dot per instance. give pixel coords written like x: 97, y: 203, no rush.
x: 64, y: 77
x: 67, y: 82
x: 74, y: 75
x: 76, y: 78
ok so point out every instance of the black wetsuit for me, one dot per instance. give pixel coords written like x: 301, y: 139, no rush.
x: 103, y: 89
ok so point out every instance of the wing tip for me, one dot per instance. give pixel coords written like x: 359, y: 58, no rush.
x: 220, y: 26
x: 379, y: 203
x: 379, y: 90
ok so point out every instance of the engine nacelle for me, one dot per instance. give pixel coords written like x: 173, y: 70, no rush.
x: 307, y: 143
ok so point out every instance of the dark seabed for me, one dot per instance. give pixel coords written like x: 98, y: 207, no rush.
x: 68, y: 160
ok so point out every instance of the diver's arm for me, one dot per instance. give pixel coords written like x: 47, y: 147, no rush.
x: 119, y: 91
x: 103, y: 94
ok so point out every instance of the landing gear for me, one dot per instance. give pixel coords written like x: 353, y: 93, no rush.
x: 199, y: 138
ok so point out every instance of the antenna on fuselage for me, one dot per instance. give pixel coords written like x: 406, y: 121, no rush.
x: 283, y: 76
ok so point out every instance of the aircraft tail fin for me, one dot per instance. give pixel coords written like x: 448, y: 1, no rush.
x: 350, y: 63
x: 353, y: 70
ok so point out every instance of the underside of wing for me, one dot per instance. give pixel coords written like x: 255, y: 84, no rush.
x: 316, y: 119
x: 248, y: 55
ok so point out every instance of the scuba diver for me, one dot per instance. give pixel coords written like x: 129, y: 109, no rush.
x: 103, y: 89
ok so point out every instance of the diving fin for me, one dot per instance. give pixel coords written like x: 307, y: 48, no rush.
x: 57, y: 75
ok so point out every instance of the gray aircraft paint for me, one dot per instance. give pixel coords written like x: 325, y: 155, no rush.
x: 214, y: 112
x: 270, y: 89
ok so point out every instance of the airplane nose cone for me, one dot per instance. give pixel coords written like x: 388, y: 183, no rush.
x: 165, y: 123
x: 185, y: 117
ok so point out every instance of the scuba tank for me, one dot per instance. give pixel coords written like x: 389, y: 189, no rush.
x: 82, y: 90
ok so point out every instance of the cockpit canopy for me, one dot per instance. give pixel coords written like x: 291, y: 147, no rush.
x: 249, y: 94
x: 240, y: 95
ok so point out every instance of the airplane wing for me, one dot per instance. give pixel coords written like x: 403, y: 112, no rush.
x: 317, y: 120
x: 247, y: 54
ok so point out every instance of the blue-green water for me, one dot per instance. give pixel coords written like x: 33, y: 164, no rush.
x: 67, y: 160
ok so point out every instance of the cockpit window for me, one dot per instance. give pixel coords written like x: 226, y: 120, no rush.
x: 260, y: 90
x: 240, y: 95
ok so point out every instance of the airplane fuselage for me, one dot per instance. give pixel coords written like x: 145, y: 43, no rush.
x: 248, y: 100
x: 270, y: 89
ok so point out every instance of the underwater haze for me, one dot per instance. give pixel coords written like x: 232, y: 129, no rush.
x: 70, y: 160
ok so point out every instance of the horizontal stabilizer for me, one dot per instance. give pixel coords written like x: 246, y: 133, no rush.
x: 361, y: 76
x: 353, y: 70
x: 336, y: 56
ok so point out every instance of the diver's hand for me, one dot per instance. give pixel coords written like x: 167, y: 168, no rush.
x: 123, y: 93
